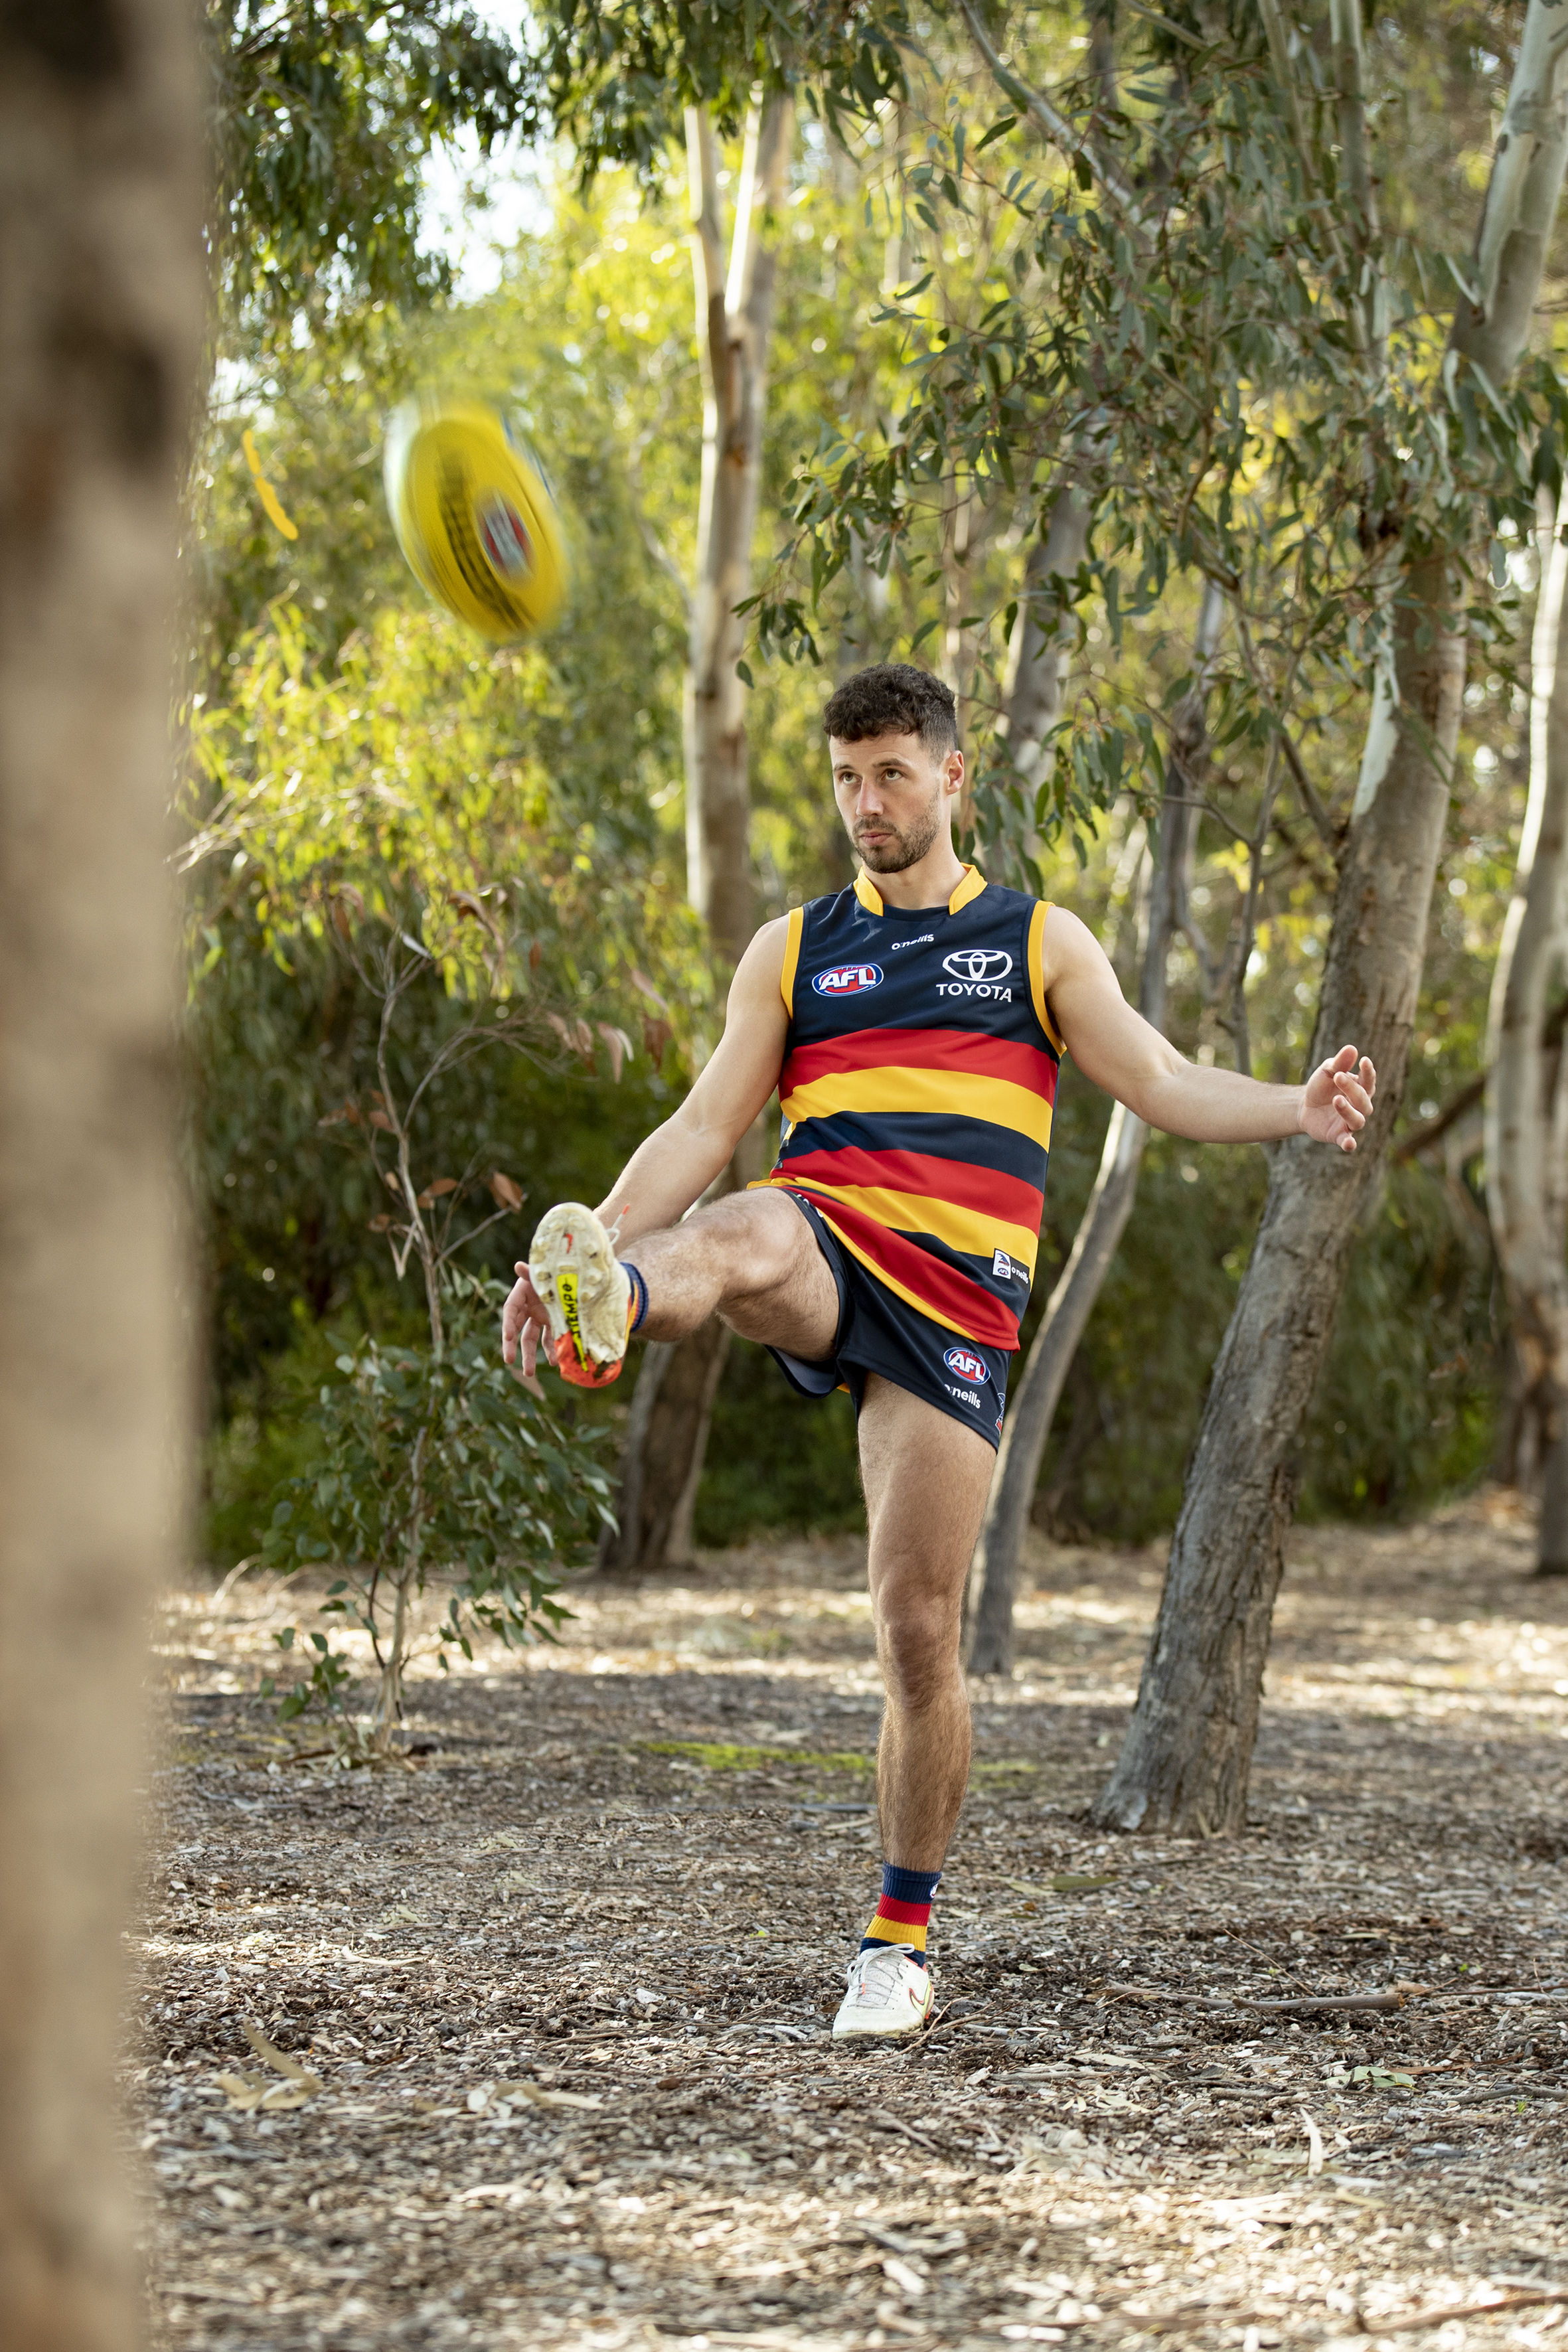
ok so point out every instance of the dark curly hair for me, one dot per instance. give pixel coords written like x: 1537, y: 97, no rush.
x: 894, y: 699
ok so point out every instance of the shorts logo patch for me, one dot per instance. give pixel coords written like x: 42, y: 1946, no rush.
x: 975, y: 964
x: 965, y: 1365
x: 848, y: 979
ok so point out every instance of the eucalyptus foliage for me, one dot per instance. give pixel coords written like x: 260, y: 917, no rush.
x: 1174, y: 326
x: 436, y: 1468
x: 321, y: 113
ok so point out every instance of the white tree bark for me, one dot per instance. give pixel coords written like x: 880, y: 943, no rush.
x: 667, y: 1430
x: 1524, y: 1173
x: 734, y: 327
x: 101, y: 301
x: 1186, y: 1762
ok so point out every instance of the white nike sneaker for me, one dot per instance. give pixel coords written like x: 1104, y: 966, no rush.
x: 585, y: 1291
x: 888, y: 1993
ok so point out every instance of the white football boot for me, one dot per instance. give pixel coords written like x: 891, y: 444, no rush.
x: 888, y: 1993
x: 586, y: 1292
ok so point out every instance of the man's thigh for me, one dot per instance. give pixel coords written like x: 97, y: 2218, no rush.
x: 927, y: 1478
x: 779, y: 1287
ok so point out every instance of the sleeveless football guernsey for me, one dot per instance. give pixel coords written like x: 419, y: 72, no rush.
x: 917, y: 1089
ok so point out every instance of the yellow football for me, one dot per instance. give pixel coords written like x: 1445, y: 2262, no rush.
x: 473, y: 515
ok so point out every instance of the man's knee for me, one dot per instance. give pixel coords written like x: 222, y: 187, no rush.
x: 918, y: 1637
x: 757, y: 1237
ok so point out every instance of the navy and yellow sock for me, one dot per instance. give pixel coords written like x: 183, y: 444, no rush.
x: 637, y: 1303
x: 903, y: 1915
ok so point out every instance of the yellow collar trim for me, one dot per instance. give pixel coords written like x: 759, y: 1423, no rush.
x: 871, y: 897
x: 970, y: 888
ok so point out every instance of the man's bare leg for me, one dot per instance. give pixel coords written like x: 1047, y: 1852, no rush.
x: 749, y: 1257
x: 926, y: 1479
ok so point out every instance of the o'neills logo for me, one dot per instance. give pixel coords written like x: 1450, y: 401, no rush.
x: 848, y: 979
x: 976, y: 972
x: 965, y: 1365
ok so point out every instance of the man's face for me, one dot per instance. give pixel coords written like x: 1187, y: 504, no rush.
x: 895, y: 797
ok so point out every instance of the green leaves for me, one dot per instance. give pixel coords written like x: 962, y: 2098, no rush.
x: 407, y: 791
x: 323, y: 112
x: 437, y: 1470
x: 617, y: 74
x: 1195, y: 368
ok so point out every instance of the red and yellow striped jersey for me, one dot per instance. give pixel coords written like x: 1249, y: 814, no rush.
x: 918, y: 1081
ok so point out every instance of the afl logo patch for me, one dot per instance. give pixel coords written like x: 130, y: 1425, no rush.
x: 965, y: 1365
x: 848, y: 979
x: 975, y: 964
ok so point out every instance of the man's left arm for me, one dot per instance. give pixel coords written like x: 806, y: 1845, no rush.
x: 1123, y: 1053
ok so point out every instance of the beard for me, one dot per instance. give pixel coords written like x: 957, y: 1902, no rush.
x: 902, y: 847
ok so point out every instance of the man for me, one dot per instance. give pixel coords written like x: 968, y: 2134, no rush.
x: 912, y: 1026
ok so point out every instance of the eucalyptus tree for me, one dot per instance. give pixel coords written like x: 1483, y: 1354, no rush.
x: 1255, y: 384
x: 1188, y: 1751
x: 1527, y: 1093
x: 735, y: 302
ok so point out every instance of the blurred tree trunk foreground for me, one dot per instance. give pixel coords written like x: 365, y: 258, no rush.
x: 1186, y: 1762
x: 101, y: 206
x: 672, y: 1406
x: 1527, y: 1096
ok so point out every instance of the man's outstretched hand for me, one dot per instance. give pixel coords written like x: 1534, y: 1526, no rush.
x: 1336, y: 1101
x: 523, y: 1323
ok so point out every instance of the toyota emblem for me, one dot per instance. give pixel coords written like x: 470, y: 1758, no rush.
x: 977, y: 965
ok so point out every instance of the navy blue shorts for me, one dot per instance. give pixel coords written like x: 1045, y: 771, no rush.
x: 878, y: 1333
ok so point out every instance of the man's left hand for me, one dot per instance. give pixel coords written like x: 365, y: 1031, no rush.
x: 1336, y: 1101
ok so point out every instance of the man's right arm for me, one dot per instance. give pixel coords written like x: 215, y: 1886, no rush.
x: 677, y: 1162
x: 679, y: 1159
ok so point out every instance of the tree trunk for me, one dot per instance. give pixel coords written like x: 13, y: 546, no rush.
x: 994, y: 1573
x: 1524, y: 1168
x: 1035, y: 656
x: 994, y: 1577
x: 1188, y: 1752
x: 666, y: 1437
x: 100, y: 208
x: 734, y: 325
x: 1188, y: 1756
x: 666, y: 1433
x: 667, y: 1429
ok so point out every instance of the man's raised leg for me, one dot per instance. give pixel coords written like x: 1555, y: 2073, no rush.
x: 749, y: 1257
x: 926, y: 1479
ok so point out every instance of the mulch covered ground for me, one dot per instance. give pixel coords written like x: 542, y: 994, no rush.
x: 558, y: 1984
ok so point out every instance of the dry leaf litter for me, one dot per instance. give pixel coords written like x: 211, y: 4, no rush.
x: 523, y: 2042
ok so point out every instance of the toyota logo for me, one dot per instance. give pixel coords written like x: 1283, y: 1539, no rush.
x: 975, y: 964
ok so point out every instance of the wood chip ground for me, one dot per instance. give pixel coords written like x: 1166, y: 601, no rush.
x: 547, y: 2003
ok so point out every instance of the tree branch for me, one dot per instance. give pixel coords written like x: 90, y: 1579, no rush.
x: 1053, y: 127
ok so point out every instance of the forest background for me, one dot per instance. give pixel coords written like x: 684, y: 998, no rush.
x: 519, y: 818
